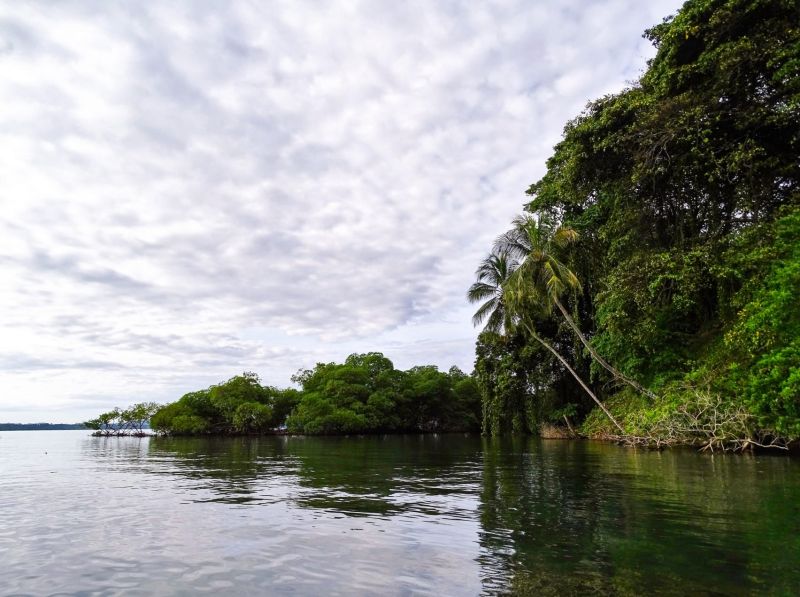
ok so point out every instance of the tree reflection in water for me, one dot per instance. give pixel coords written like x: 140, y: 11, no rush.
x: 547, y: 517
x: 565, y: 517
x: 355, y: 476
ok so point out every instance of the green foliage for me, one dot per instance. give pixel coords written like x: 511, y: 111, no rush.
x: 762, y: 345
x: 175, y: 418
x: 520, y: 383
x: 566, y: 411
x: 684, y: 191
x: 625, y: 406
x: 105, y: 423
x: 366, y: 394
x: 251, y: 417
x: 239, y: 405
x: 130, y: 421
x: 227, y: 397
x: 135, y: 417
x: 492, y: 273
x: 283, y: 403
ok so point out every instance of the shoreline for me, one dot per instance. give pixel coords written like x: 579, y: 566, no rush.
x: 550, y: 433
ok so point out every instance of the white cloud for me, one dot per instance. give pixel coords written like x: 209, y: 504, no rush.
x: 188, y: 190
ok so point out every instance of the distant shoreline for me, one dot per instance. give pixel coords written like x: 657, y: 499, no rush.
x: 40, y: 426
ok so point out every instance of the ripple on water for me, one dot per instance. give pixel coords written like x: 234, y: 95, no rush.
x: 449, y: 515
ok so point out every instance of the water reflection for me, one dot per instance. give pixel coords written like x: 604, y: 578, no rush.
x: 430, y: 513
x: 238, y: 470
x: 584, y: 518
x: 366, y: 476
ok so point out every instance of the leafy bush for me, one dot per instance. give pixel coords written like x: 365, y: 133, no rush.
x: 252, y: 416
x: 367, y: 394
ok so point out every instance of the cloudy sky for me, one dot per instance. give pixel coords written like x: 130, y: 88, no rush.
x: 193, y: 189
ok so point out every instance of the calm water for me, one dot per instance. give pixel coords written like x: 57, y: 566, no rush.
x: 402, y: 515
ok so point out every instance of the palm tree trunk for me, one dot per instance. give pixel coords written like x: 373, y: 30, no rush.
x: 576, y: 376
x: 607, y: 366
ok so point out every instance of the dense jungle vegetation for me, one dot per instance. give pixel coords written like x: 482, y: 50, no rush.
x: 650, y: 289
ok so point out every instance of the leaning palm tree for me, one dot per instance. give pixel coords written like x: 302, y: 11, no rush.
x: 522, y: 309
x: 536, y: 242
x: 506, y: 307
x: 492, y: 273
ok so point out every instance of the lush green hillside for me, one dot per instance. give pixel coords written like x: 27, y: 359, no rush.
x: 666, y: 231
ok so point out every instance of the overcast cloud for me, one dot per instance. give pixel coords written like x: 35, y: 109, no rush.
x: 194, y: 189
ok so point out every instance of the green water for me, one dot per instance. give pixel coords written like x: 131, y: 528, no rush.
x: 394, y: 515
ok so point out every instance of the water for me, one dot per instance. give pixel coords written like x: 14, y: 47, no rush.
x: 395, y: 515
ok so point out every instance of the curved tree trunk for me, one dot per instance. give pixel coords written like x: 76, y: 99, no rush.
x: 571, y: 430
x: 607, y: 366
x: 576, y: 376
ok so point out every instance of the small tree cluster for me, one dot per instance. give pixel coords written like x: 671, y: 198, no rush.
x: 130, y: 421
x: 365, y: 394
x: 240, y: 405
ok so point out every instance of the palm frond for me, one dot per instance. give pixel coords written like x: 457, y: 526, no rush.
x: 568, y: 277
x: 492, y: 274
x: 523, y: 274
x: 495, y: 268
x: 565, y: 236
x: 480, y: 291
x: 513, y: 243
x: 552, y: 280
x: 485, y: 311
x: 497, y: 320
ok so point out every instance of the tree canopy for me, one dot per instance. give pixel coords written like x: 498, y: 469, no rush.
x: 365, y: 394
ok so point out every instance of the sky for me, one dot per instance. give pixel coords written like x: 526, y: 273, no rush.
x: 189, y: 190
